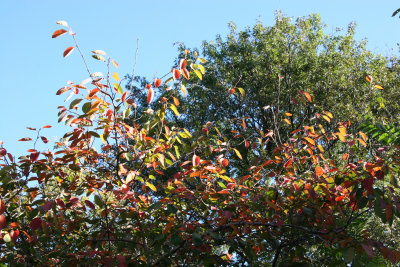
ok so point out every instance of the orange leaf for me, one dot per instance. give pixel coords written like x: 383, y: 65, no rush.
x: 124, y: 96
x: 47, y: 126
x: 157, y: 83
x: 182, y: 64
x: 150, y: 95
x: 58, y: 33
x: 68, y: 51
x: 176, y: 101
x: 319, y: 171
x: 309, y: 140
x: 186, y: 74
x: 369, y: 78
x: 195, y: 160
x: 176, y: 74
x: 308, y: 96
x: 225, y: 162
x: 115, y: 63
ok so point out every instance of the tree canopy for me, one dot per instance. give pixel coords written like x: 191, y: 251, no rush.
x: 230, y: 159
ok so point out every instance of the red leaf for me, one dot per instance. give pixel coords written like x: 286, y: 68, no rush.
x: 25, y: 139
x: 124, y: 96
x: 44, y: 139
x: 3, y: 221
x: 47, y: 126
x: 90, y: 204
x: 3, y: 152
x: 68, y: 51
x: 35, y: 223
x: 63, y: 90
x: 150, y: 95
x: 176, y: 73
x: 368, y: 249
x: 58, y: 33
x: 157, y: 83
x: 195, y: 160
x: 2, y: 206
x: 14, y: 235
x: 34, y: 156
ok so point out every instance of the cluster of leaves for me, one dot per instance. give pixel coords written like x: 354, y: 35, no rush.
x: 131, y: 190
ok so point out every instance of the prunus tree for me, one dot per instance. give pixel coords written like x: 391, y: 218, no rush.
x: 141, y: 190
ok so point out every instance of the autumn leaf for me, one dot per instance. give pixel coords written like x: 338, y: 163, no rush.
x: 25, y: 139
x: 150, y: 96
x: 116, y: 77
x: 58, y: 33
x: 68, y: 51
x: 157, y: 83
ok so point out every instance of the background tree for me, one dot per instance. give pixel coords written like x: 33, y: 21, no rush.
x: 143, y: 191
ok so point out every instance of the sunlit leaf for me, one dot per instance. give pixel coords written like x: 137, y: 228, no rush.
x: 58, y: 33
x: 151, y: 186
x: 116, y: 77
x: 62, y: 23
x: 150, y: 96
x: 378, y: 86
x: 369, y: 78
x: 99, y: 52
x: 174, y: 109
x: 68, y: 51
x: 115, y: 63
x: 98, y: 57
x: 237, y: 153
x: 198, y: 73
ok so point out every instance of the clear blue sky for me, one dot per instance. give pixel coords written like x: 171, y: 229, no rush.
x: 33, y: 68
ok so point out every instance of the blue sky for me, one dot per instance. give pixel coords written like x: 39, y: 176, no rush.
x: 33, y: 68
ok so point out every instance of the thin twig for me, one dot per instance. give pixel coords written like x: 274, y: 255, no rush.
x: 134, y: 66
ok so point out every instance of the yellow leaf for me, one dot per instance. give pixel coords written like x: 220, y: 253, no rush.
x: 320, y: 148
x: 378, y: 86
x: 237, y: 153
x: 116, y: 77
x: 174, y: 109
x: 151, y: 186
x: 309, y: 140
x: 183, y: 88
x: 115, y: 63
x: 287, y: 121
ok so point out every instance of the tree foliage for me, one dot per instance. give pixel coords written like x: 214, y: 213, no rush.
x: 141, y: 190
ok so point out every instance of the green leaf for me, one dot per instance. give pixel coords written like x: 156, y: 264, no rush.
x: 98, y: 201
x: 98, y: 57
x: 86, y: 107
x: 174, y: 109
x: 118, y: 87
x: 202, y: 60
x: 75, y: 102
x: 197, y: 240
x: 177, y: 152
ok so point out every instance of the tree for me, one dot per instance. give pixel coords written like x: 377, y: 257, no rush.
x: 144, y: 191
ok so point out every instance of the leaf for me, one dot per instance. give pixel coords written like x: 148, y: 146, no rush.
x: 176, y: 101
x: 195, y: 160
x: 395, y: 13
x: 174, y: 109
x: 308, y: 96
x: 157, y: 83
x: 35, y: 223
x: 75, y: 102
x: 90, y: 204
x: 368, y: 249
x: 176, y: 74
x: 310, y: 141
x: 238, y: 153
x: 183, y: 88
x: 62, y: 23
x: 63, y: 90
x: 202, y: 70
x: 198, y: 73
x: 225, y: 162
x: 150, y: 96
x: 182, y: 63
x: 99, y: 58
x: 202, y: 60
x: 25, y: 139
x: 116, y: 77
x: 115, y: 63
x: 319, y: 171
x: 241, y: 90
x: 118, y: 88
x: 68, y: 51
x: 378, y: 86
x: 99, y: 52
x: 96, y: 74
x: 369, y: 78
x: 58, y: 33
x: 197, y: 239
x: 151, y: 186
